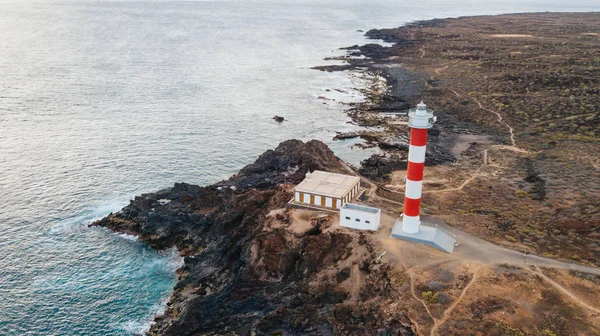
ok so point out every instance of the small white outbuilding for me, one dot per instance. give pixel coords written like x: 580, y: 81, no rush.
x: 360, y: 217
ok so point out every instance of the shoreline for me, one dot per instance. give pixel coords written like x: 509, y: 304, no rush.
x: 260, y: 254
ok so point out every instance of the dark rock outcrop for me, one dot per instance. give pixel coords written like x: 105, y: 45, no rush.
x: 243, y: 276
x: 379, y: 166
x: 289, y: 162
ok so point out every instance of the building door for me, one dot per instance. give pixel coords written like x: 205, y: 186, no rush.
x: 334, y: 203
x: 312, y: 199
x: 301, y: 197
x: 323, y: 201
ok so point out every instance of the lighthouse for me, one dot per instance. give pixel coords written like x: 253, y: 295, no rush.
x: 420, y: 120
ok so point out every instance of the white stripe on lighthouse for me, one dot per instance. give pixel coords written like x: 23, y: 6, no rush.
x: 416, y: 154
x: 413, y: 189
x: 410, y: 224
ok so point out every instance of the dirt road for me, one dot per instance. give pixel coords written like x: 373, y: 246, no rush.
x: 476, y: 249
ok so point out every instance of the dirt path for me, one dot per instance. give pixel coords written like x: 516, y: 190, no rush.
x: 356, y: 279
x: 448, y: 312
x: 477, y: 172
x: 438, y: 70
x: 565, y: 291
x: 511, y: 148
x: 500, y: 119
x: 480, y: 251
x: 414, y: 295
x: 455, y: 93
x: 437, y: 323
x: 460, y: 187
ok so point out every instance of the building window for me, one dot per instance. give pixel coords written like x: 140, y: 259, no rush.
x: 358, y: 220
x: 347, y: 217
x: 368, y: 222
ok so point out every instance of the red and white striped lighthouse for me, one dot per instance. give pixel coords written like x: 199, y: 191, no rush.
x: 420, y: 119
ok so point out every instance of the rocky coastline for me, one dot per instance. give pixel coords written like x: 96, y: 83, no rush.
x: 252, y: 266
x: 402, y: 89
x: 243, y: 275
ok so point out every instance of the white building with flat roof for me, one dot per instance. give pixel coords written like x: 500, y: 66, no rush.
x: 327, y: 190
x: 360, y: 217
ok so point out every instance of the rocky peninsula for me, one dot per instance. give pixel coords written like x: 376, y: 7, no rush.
x: 514, y: 160
x: 247, y: 270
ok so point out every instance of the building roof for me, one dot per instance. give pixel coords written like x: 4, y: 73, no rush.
x: 362, y: 208
x: 327, y: 184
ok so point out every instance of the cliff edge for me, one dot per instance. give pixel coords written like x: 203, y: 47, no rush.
x: 249, y: 268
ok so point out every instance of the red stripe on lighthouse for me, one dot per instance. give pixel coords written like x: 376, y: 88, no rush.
x: 414, y: 171
x: 411, y: 206
x: 418, y: 136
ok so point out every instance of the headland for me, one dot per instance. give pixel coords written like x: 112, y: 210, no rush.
x: 513, y: 161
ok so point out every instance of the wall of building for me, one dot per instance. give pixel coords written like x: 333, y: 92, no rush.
x: 360, y: 220
x: 317, y: 200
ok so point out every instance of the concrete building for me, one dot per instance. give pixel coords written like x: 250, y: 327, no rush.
x: 360, y: 217
x: 327, y: 190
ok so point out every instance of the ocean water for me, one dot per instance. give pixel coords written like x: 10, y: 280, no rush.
x: 103, y: 100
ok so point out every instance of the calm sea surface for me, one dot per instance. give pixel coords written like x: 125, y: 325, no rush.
x: 103, y: 100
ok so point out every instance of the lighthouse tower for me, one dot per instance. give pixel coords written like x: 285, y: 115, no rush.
x: 420, y: 119
x: 409, y: 227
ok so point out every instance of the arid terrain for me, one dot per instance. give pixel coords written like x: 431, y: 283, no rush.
x: 513, y: 172
x: 518, y: 103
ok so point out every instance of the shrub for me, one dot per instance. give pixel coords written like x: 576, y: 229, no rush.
x: 435, y: 286
x: 508, y: 330
x: 443, y: 298
x: 522, y: 193
x: 429, y: 296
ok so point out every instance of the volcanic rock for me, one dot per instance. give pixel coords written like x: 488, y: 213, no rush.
x: 241, y: 275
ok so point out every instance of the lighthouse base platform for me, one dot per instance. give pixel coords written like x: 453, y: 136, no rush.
x: 427, y: 235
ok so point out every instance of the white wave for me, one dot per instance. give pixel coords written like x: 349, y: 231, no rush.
x: 81, y: 221
x: 135, y: 327
x: 129, y: 237
x: 174, y: 260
